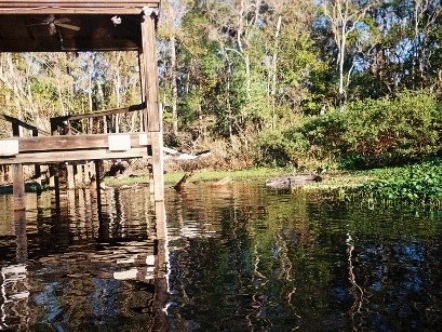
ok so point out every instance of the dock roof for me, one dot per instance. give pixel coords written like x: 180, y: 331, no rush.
x: 66, y: 25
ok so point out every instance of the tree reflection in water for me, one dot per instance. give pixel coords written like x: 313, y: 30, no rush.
x: 254, y: 259
x: 238, y: 258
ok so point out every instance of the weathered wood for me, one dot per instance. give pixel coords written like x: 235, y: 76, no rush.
x: 158, y: 165
x: 19, y: 188
x: 143, y: 85
x: 151, y: 89
x: 21, y: 30
x: 98, y: 176
x: 76, y: 155
x: 98, y: 114
x: 71, y: 176
x: 74, y: 142
x: 151, y: 92
x: 78, y: 7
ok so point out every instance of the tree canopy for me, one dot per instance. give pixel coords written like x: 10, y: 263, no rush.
x: 259, y: 77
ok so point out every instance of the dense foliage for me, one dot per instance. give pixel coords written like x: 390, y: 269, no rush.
x: 328, y: 83
x: 369, y: 133
x: 413, y: 185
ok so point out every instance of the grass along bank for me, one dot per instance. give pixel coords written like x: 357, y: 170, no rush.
x: 330, y: 180
x: 419, y: 184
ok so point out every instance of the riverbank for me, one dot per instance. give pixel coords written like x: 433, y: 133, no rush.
x: 329, y: 180
x: 419, y: 184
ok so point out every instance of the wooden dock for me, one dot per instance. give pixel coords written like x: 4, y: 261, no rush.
x: 62, y: 146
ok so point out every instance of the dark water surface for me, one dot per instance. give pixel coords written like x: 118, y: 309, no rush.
x: 239, y: 258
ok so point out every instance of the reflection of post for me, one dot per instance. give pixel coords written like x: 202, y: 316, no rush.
x: 161, y: 261
x: 14, y: 297
x: 19, y: 188
x: 161, y: 243
x: 98, y: 174
x: 21, y: 238
x: 14, y: 283
x: 71, y: 176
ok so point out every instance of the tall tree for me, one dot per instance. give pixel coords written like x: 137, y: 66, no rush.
x: 345, y: 17
x: 170, y: 31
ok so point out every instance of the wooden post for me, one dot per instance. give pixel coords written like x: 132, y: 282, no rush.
x: 98, y: 164
x: 21, y: 252
x: 16, y: 130
x: 19, y: 188
x: 56, y: 186
x: 71, y: 176
x: 142, y: 67
x: 151, y: 92
x: 37, y: 168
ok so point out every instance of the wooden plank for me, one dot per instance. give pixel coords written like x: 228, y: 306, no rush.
x: 76, y: 7
x: 129, y: 109
x: 69, y: 45
x: 76, y: 155
x: 73, y: 142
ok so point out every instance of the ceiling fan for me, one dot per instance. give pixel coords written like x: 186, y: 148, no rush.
x: 54, y: 23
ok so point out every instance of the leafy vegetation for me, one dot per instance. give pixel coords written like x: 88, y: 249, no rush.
x: 368, y: 134
x: 298, y: 85
x: 412, y: 185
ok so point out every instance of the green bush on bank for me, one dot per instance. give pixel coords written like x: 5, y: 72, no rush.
x: 367, y: 134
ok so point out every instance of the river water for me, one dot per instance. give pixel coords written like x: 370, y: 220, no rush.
x: 236, y: 258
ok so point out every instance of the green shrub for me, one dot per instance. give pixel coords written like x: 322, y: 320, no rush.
x: 274, y: 149
x: 391, y: 132
x: 367, y: 134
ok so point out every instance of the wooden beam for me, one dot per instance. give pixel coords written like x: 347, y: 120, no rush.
x: 70, y: 176
x: 74, y: 142
x: 151, y: 92
x: 75, y: 7
x: 98, y: 114
x: 98, y: 174
x: 19, y: 188
x: 151, y: 89
x: 19, y: 123
x: 76, y: 155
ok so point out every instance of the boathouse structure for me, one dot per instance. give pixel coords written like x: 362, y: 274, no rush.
x: 85, y: 26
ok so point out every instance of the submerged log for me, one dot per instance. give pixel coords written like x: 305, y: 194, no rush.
x: 288, y: 182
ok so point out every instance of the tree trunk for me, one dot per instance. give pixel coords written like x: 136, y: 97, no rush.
x: 174, y: 85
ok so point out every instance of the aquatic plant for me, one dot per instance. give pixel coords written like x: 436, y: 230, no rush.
x: 416, y: 185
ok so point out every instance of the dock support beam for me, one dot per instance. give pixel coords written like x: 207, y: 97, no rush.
x: 19, y: 188
x: 150, y: 90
